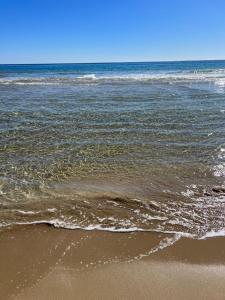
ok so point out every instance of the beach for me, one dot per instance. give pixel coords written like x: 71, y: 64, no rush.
x: 40, y: 262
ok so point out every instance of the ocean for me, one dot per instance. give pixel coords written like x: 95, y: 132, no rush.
x: 114, y: 146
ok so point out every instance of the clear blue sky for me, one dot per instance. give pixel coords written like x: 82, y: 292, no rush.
x: 39, y: 31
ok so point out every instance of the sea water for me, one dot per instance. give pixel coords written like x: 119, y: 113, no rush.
x: 114, y: 146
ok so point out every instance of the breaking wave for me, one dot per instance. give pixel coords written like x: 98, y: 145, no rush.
x: 196, y: 214
x: 215, y: 76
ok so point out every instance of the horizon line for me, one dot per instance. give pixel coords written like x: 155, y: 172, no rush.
x: 115, y: 62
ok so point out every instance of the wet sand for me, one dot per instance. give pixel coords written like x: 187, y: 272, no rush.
x: 41, y: 262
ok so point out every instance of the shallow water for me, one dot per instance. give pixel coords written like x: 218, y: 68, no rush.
x: 121, y: 147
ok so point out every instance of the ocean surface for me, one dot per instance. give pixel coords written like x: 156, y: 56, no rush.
x: 114, y: 146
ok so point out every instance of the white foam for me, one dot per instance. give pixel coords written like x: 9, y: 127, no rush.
x: 188, y: 193
x: 51, y: 209
x: 213, y: 234
x: 88, y: 76
x: 166, y: 242
x: 215, y: 76
x: 62, y: 224
x: 23, y: 212
x: 220, y: 82
x: 219, y: 170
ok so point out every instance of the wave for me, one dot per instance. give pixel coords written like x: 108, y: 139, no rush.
x: 219, y: 168
x: 213, y: 233
x: 194, y: 212
x: 215, y: 76
x: 201, y: 219
x: 66, y: 225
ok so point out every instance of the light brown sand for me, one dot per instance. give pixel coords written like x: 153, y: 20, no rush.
x: 40, y: 262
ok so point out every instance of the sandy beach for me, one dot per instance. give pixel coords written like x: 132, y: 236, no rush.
x: 41, y: 262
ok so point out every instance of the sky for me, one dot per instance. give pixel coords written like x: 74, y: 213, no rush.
x: 48, y: 31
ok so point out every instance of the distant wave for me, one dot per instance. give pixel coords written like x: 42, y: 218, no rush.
x: 215, y: 76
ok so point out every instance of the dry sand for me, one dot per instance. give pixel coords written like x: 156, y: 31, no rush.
x: 41, y: 262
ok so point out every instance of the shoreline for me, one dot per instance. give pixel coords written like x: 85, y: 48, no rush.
x: 42, y: 262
